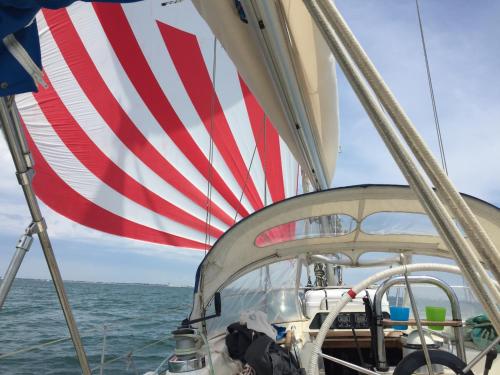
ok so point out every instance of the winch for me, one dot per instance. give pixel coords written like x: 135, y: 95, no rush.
x: 188, y: 354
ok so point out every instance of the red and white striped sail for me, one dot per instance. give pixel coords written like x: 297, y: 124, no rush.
x: 132, y: 139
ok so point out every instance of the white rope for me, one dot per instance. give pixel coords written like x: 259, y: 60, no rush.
x: 365, y: 80
x: 332, y: 20
x: 247, y: 370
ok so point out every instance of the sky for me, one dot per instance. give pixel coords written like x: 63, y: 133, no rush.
x: 462, y: 41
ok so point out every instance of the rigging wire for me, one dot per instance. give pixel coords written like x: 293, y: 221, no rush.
x: 434, y: 107
x: 208, y: 218
x: 246, y: 182
x: 250, y: 167
x: 431, y: 89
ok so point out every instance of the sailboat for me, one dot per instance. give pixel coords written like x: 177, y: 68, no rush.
x: 153, y: 134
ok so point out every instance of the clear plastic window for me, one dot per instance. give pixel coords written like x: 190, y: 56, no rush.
x: 270, y: 289
x: 313, y: 227
x: 410, y: 223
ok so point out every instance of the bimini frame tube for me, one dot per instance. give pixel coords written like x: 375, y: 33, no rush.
x: 400, y: 280
x: 444, y: 186
x: 465, y: 256
x: 22, y: 161
x: 347, y: 297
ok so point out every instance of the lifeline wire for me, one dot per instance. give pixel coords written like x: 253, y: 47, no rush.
x: 130, y: 353
x: 61, y: 339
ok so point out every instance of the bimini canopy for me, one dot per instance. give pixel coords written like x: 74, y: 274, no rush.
x: 146, y: 125
x: 350, y: 220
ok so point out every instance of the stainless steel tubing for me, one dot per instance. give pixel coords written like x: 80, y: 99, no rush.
x: 477, y: 358
x: 349, y: 365
x: 444, y: 186
x: 22, y: 248
x: 20, y: 136
x: 12, y: 130
x: 312, y: 368
x: 399, y: 280
x: 416, y: 315
x: 470, y: 265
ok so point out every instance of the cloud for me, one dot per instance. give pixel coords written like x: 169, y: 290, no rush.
x: 466, y: 78
x: 84, y: 253
x: 466, y: 82
x: 15, y: 217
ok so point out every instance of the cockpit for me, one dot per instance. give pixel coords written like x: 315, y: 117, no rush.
x: 349, y: 280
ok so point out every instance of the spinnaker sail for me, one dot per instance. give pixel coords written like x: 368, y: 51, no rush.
x: 146, y: 129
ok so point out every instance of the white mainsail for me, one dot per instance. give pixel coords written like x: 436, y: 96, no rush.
x: 287, y: 64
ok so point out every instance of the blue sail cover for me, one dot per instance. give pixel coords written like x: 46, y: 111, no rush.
x: 17, y: 18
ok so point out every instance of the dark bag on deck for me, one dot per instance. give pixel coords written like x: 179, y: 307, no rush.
x: 268, y: 358
x: 238, y: 340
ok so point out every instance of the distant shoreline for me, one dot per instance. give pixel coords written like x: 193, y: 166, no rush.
x: 107, y: 282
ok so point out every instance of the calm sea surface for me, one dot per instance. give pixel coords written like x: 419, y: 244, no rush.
x: 133, y: 316
x: 137, y: 320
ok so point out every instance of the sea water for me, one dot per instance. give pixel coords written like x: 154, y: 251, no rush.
x: 131, y: 323
x: 127, y: 320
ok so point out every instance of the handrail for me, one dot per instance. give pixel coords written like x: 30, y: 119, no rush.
x: 312, y: 367
x: 455, y: 312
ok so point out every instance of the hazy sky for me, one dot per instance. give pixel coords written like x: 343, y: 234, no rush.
x: 464, y: 52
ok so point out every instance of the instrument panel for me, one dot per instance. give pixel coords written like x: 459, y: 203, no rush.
x: 345, y: 320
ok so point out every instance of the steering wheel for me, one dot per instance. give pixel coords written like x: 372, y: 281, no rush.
x: 413, y: 361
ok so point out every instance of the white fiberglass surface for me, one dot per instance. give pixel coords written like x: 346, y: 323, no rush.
x: 319, y: 226
x: 271, y: 289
